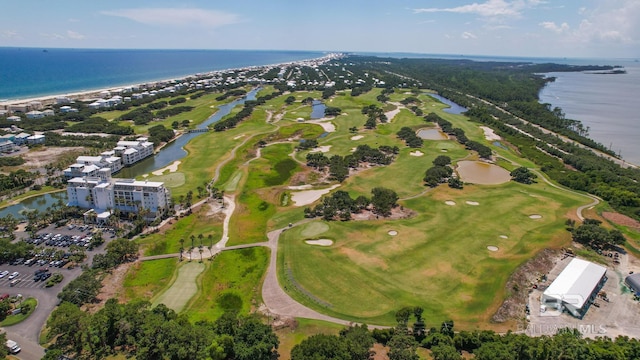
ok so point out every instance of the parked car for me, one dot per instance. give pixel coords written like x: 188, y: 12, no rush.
x: 14, y: 275
x: 3, y: 274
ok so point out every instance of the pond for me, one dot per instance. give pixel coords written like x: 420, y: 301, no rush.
x: 167, y: 155
x: 453, y: 107
x: 478, y: 172
x: 40, y: 202
x: 431, y: 134
x: 317, y: 109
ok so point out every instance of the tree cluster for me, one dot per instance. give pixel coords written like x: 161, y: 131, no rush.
x: 340, y: 205
x: 11, y: 161
x: 99, y: 125
x: 232, y: 93
x: 159, y: 134
x: 410, y: 138
x: 339, y: 166
x: 374, y: 115
x: 591, y: 234
x: 90, y: 141
x: 119, y: 251
x: 249, y: 105
x: 483, y: 151
x: 440, y: 172
x: 353, y: 343
x: 16, y: 180
x: 332, y: 111
x: 523, y: 175
x: 136, y: 329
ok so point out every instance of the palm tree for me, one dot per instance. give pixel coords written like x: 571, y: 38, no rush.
x: 210, y: 237
x: 200, y: 237
x: 181, y: 248
x: 200, y: 250
x: 193, y: 238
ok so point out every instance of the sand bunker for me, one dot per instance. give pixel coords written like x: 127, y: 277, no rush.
x: 391, y: 114
x: 504, y: 237
x: 325, y: 123
x: 478, y: 172
x: 535, y: 216
x: 489, y: 134
x: 492, y: 248
x: 474, y: 203
x: 302, y: 198
x: 353, y: 150
x: 300, y: 187
x: 450, y: 203
x: 238, y: 137
x: 320, y: 242
x: 392, y: 232
x: 172, y: 168
x: 443, y: 150
x: 357, y: 137
x: 416, y: 153
x: 322, y: 149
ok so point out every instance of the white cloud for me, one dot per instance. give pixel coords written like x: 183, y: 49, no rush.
x: 10, y: 34
x: 75, y: 35
x: 53, y: 36
x: 177, y: 16
x: 468, y: 35
x: 609, y: 22
x: 489, y: 8
x: 550, y: 25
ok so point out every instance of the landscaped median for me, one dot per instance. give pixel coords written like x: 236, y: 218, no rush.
x: 19, y: 309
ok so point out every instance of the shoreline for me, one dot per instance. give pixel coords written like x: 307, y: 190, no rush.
x: 75, y: 95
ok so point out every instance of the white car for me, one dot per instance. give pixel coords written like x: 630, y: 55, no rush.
x: 14, y: 275
x: 3, y: 274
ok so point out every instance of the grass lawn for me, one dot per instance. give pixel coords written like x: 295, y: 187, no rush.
x: 230, y: 282
x: 15, y: 319
x: 146, y: 279
x: 200, y: 222
x: 438, y: 260
x: 183, y: 288
x: 171, y: 180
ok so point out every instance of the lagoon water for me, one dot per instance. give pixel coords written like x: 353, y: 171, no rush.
x: 607, y: 104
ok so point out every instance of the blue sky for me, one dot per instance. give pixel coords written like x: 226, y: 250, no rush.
x: 541, y: 28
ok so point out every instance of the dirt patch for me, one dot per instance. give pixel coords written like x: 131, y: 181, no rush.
x: 623, y: 220
x: 112, y: 286
x: 398, y: 212
x: 40, y: 157
x: 519, y: 283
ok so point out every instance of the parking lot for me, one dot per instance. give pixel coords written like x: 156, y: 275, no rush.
x: 45, y: 258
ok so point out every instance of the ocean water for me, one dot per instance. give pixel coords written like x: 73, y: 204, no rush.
x: 607, y: 104
x: 31, y: 72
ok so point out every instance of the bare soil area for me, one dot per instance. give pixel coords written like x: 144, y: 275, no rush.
x: 623, y: 220
x: 40, y: 157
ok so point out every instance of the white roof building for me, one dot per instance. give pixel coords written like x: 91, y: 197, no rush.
x: 576, y: 287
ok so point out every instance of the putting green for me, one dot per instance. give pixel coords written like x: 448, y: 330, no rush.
x: 313, y: 229
x: 183, y: 288
x: 171, y: 180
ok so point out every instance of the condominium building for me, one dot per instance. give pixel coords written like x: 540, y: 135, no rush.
x: 133, y: 151
x: 88, y: 165
x: 103, y: 194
